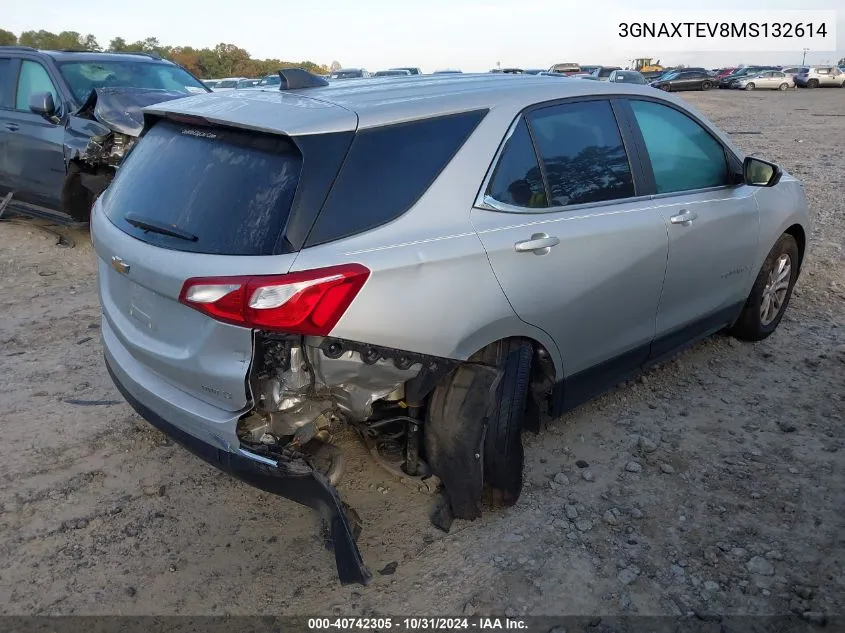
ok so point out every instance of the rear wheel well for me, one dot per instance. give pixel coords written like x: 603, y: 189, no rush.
x: 797, y: 232
x: 543, y: 377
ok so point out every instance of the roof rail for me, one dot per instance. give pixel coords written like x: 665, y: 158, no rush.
x: 295, y: 78
x: 142, y: 53
x: 18, y: 48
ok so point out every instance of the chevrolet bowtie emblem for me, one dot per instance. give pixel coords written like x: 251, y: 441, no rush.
x: 119, y: 265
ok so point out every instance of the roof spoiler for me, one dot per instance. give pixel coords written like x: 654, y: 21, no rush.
x: 295, y: 78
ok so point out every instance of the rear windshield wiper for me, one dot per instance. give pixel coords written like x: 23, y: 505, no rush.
x: 156, y: 227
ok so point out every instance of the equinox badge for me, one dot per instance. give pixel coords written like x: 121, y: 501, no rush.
x: 119, y: 265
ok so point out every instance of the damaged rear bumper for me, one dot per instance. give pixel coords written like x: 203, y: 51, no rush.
x: 291, y: 478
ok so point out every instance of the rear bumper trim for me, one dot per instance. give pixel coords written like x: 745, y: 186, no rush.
x: 291, y: 479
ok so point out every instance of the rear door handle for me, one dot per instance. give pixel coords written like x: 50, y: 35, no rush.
x: 539, y: 244
x: 12, y: 127
x: 684, y: 217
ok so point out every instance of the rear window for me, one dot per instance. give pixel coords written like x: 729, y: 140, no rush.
x: 387, y: 170
x: 220, y: 191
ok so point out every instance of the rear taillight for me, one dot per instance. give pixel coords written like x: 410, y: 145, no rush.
x: 307, y: 302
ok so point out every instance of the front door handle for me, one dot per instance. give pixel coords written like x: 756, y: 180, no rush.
x: 684, y: 217
x: 12, y: 127
x: 539, y: 244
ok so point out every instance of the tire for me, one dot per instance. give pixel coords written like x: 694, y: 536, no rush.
x: 750, y: 86
x: 706, y: 85
x: 503, y: 454
x: 843, y: 85
x: 813, y: 83
x: 751, y: 325
x: 666, y: 88
x: 783, y: 87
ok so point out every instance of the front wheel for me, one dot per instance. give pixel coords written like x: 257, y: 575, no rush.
x: 813, y: 83
x: 771, y: 292
x: 783, y: 86
x: 750, y: 86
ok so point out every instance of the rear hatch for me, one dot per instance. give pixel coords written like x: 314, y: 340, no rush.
x: 194, y: 200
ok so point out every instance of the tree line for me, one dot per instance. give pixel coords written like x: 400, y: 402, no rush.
x: 224, y: 60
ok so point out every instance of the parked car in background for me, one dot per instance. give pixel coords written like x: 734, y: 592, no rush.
x: 248, y: 83
x: 820, y: 77
x: 269, y: 80
x: 229, y: 83
x: 724, y: 72
x: 395, y: 72
x: 726, y: 81
x: 766, y: 80
x: 251, y: 327
x: 590, y: 69
x: 68, y: 118
x: 448, y: 71
x: 350, y: 73
x: 533, y: 71
x: 566, y: 68
x: 411, y: 69
x: 602, y: 73
x: 210, y: 83
x: 685, y: 80
x: 627, y: 77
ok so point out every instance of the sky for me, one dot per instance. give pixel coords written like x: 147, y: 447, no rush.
x: 471, y: 35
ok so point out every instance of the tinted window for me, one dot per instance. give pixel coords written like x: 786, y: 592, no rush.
x: 231, y: 190
x: 33, y: 79
x: 386, y: 170
x: 7, y: 83
x: 517, y: 179
x: 683, y: 154
x: 582, y: 153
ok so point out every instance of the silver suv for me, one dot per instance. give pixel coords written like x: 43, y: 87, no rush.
x: 820, y: 77
x: 435, y: 261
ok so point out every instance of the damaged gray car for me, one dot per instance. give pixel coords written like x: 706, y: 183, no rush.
x: 67, y: 119
x: 434, y: 261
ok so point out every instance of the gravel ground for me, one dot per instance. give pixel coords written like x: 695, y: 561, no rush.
x: 715, y: 483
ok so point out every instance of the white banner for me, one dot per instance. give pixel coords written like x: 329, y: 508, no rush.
x: 725, y: 31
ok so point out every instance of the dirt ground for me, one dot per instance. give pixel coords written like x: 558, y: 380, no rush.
x: 714, y: 483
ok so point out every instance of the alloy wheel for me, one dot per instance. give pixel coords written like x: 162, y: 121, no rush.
x: 775, y: 290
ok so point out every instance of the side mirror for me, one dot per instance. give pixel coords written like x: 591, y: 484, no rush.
x: 42, y: 103
x: 760, y: 173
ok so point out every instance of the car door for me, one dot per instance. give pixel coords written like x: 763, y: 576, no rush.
x: 712, y: 222
x: 835, y: 77
x: 763, y: 79
x: 8, y: 77
x: 681, y: 82
x: 34, y: 161
x: 578, y: 252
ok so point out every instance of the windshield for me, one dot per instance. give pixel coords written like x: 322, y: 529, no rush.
x: 229, y: 83
x: 85, y: 76
x: 346, y: 74
x: 271, y: 80
x: 669, y: 76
